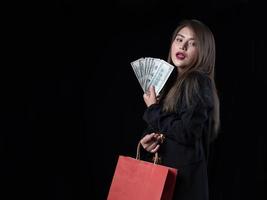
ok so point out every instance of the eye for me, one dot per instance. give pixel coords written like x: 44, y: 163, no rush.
x: 178, y: 39
x: 192, y: 43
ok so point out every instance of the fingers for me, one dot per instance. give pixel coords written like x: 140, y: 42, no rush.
x: 160, y: 138
x: 151, y: 142
x: 150, y: 93
x: 155, y: 149
x: 151, y: 146
x: 148, y: 138
x: 152, y: 90
x: 150, y: 96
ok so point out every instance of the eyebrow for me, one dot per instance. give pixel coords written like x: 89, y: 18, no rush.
x: 178, y: 34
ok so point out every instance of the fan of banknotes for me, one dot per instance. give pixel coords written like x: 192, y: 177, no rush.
x: 152, y: 71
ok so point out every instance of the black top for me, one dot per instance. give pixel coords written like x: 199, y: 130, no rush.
x: 187, y: 137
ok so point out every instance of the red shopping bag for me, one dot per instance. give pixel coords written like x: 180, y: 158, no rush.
x: 135, y: 179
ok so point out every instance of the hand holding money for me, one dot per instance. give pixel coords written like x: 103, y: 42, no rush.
x: 150, y: 96
x: 152, y: 71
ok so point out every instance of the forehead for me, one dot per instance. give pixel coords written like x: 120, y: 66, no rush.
x: 186, y: 32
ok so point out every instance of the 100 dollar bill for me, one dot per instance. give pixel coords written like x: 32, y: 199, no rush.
x: 152, y: 71
x: 161, y: 76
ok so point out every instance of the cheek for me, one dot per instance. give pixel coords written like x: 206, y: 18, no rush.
x: 172, y: 51
x: 172, y: 48
x: 193, y: 54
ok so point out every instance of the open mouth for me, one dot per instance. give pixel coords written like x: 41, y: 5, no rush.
x: 180, y: 55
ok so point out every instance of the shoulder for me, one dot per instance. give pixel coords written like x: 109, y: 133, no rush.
x: 200, y: 86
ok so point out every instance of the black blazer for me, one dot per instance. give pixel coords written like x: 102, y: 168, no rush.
x: 187, y: 138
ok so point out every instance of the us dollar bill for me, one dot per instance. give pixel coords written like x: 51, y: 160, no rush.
x: 152, y: 71
x: 161, y: 76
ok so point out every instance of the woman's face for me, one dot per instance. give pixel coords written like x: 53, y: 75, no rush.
x: 184, y: 49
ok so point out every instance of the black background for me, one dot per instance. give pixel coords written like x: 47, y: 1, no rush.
x: 71, y: 103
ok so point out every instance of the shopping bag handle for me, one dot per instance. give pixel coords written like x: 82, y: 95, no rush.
x: 156, y: 156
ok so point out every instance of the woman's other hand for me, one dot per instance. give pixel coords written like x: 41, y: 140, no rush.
x: 150, y: 142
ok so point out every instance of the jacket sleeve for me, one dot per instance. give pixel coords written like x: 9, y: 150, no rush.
x: 185, y: 126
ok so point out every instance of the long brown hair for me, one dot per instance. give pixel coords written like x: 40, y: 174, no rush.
x: 205, y: 63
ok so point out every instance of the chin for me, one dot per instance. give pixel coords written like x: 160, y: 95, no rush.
x: 179, y: 64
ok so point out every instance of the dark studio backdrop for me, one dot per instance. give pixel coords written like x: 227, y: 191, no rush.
x: 71, y: 103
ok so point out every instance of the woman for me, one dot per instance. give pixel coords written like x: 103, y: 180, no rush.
x: 184, y: 119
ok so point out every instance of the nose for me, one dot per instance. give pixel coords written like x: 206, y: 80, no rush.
x: 183, y: 46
